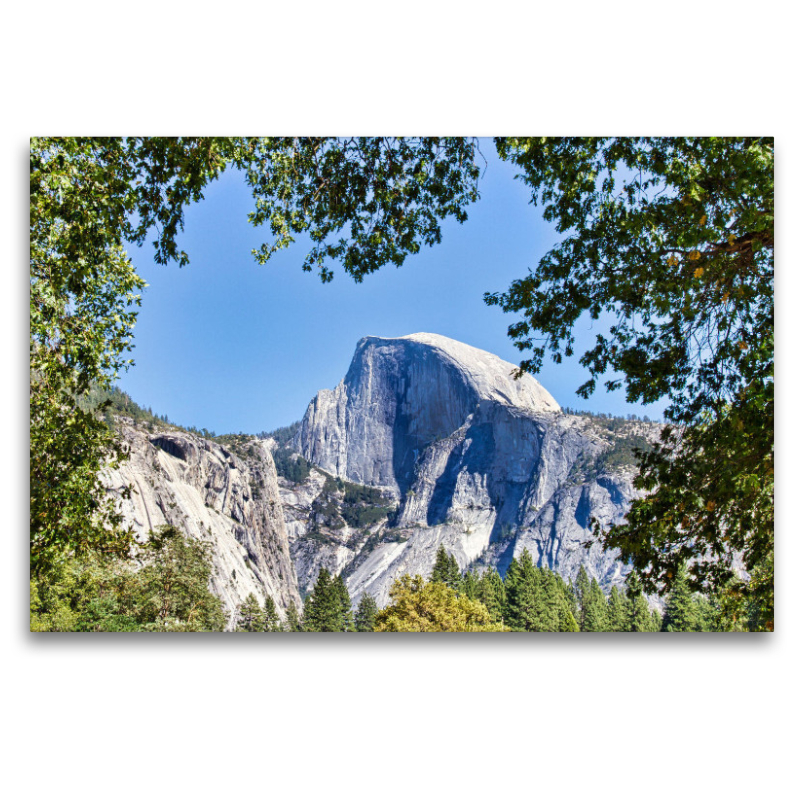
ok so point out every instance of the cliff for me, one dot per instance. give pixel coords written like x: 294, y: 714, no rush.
x: 475, y: 460
x: 230, y: 499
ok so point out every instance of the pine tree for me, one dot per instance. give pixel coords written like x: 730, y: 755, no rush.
x: 454, y: 578
x: 492, y: 593
x: 581, y: 594
x: 523, y: 595
x: 639, y: 616
x: 323, y: 610
x: 446, y: 570
x: 441, y: 567
x: 249, y: 615
x: 471, y: 582
x: 272, y: 621
x: 365, y: 614
x: 617, y: 611
x: 293, y: 623
x: 655, y: 621
x: 595, y: 609
x: 552, y: 600
x: 707, y: 614
x: 340, y: 589
x: 680, y: 613
x: 567, y: 610
x: 571, y: 595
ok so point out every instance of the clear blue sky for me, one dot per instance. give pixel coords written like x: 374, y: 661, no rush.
x: 231, y: 345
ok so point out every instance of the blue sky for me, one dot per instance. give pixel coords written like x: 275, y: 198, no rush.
x: 231, y: 345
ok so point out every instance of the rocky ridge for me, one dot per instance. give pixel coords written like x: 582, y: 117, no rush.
x: 475, y: 460
x: 425, y: 442
x: 214, y: 494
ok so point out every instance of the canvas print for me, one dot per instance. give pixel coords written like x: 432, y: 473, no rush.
x: 431, y: 384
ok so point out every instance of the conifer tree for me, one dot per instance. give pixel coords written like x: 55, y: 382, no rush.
x: 552, y: 600
x: 441, y: 567
x: 323, y: 610
x: 293, y: 623
x: 581, y: 594
x: 471, y: 581
x: 272, y: 621
x: 446, y: 570
x: 680, y: 614
x: 567, y: 611
x: 655, y: 621
x: 566, y: 621
x: 639, y: 617
x: 454, y: 578
x: 572, y: 600
x: 523, y: 595
x: 617, y: 611
x: 340, y: 589
x: 249, y: 615
x: 492, y: 593
x: 595, y: 609
x: 365, y: 614
x: 707, y: 614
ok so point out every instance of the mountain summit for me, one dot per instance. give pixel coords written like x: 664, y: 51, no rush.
x: 489, y: 376
x: 399, y: 396
x: 476, y: 460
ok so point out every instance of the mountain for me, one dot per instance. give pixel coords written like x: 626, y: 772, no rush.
x: 425, y: 442
x: 472, y: 458
x: 225, y: 495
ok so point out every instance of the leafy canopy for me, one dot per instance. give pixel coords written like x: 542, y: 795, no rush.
x: 419, y: 606
x: 671, y: 242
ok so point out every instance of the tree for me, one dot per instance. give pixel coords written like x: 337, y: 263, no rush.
x: 639, y: 617
x: 365, y: 614
x: 322, y: 611
x: 670, y: 241
x: 421, y: 606
x: 557, y: 612
x: 441, y: 566
x: 582, y: 588
x: 617, y: 611
x: 175, y: 583
x: 364, y: 202
x: 343, y: 596
x: 470, y: 584
x: 327, y: 607
x: 446, y: 570
x: 163, y: 587
x: 272, y: 620
x: 292, y: 623
x: 680, y: 613
x: 595, y: 609
x: 249, y: 615
x: 492, y: 593
x: 524, y: 607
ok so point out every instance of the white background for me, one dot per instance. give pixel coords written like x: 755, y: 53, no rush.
x: 609, y: 716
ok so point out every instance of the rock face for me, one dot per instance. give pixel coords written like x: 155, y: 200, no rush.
x: 477, y: 461
x: 216, y: 495
x: 400, y: 396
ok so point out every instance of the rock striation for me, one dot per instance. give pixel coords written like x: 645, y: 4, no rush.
x: 214, y: 494
x: 476, y: 460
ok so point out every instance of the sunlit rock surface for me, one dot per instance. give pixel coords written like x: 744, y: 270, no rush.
x: 211, y: 493
x: 477, y: 461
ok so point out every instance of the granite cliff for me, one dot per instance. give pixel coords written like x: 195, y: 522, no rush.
x: 471, y: 458
x: 215, y: 494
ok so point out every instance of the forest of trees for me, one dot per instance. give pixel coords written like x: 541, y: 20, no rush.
x: 528, y: 599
